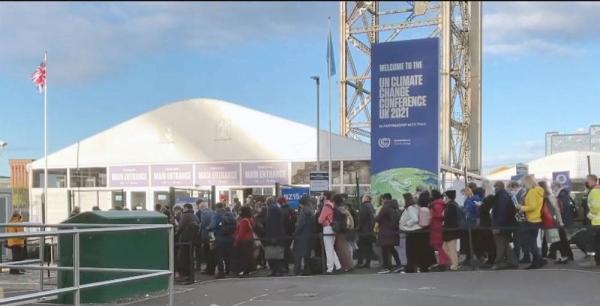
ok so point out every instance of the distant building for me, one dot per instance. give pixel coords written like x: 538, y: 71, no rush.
x: 4, y: 181
x: 578, y: 141
x: 19, y: 173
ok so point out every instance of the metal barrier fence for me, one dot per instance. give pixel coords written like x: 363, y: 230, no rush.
x: 467, y: 239
x: 76, y: 230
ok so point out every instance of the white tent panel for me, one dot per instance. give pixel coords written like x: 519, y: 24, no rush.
x: 573, y: 161
x: 204, y: 130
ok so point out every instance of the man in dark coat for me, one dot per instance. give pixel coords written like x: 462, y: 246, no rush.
x: 289, y: 224
x: 503, y: 217
x: 273, y: 233
x: 187, y: 232
x: 366, y: 238
x: 303, y: 236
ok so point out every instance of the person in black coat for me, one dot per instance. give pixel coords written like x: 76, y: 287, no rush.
x: 366, y: 238
x: 274, y: 231
x: 488, y: 246
x: 303, y: 236
x: 289, y: 224
x: 503, y: 217
x: 187, y: 232
x: 452, y: 232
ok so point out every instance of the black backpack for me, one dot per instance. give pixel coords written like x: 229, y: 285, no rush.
x: 228, y: 224
x: 461, y: 215
x: 340, y: 221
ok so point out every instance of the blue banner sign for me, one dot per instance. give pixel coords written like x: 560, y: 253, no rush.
x: 563, y: 177
x: 517, y: 178
x: 293, y: 195
x: 405, y: 111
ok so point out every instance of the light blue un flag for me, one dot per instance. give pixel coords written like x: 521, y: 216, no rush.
x: 330, y: 56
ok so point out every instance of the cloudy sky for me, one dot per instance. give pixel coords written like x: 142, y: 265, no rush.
x: 109, y: 62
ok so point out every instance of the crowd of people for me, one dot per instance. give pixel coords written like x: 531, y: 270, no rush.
x: 423, y: 232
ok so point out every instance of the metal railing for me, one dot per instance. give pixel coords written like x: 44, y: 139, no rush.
x: 76, y: 230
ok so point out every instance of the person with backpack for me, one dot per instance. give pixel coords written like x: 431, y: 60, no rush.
x: 343, y: 236
x: 453, y: 224
x: 436, y: 233
x: 418, y: 252
x: 223, y: 225
x: 326, y: 219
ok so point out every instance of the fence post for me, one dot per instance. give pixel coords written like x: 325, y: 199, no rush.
x: 41, y: 245
x: 589, y: 164
x: 76, y: 275
x: 323, y: 259
x: 171, y: 264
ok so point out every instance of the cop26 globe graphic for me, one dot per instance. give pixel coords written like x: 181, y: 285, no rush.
x: 402, y: 180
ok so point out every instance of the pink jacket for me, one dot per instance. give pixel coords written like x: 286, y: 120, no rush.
x: 436, y: 235
x: 326, y: 216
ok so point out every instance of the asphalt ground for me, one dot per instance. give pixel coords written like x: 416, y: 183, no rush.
x: 554, y: 285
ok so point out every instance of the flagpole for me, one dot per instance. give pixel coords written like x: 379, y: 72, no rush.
x: 45, y: 203
x: 329, y: 85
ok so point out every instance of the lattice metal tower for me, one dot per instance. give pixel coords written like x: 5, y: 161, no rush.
x: 458, y: 23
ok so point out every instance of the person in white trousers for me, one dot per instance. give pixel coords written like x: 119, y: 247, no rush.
x: 325, y: 219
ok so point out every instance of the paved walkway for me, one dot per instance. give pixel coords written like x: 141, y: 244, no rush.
x: 552, y: 275
x: 499, y: 288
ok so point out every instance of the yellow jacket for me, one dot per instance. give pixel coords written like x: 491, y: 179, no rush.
x: 594, y: 205
x: 12, y: 242
x: 532, y: 204
x: 376, y: 227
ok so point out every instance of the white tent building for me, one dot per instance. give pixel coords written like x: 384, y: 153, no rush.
x: 576, y: 162
x: 192, y: 144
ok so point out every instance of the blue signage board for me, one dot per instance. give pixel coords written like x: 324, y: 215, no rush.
x: 293, y: 195
x: 517, y: 178
x: 563, y: 177
x: 522, y: 169
x: 405, y: 112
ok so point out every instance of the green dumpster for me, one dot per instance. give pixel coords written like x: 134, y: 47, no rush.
x: 137, y: 249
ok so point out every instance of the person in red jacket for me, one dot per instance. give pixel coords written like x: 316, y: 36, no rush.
x: 244, y: 242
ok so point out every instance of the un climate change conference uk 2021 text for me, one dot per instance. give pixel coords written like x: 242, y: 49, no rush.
x: 405, y: 116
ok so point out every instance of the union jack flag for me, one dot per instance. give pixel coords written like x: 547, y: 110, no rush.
x: 39, y: 76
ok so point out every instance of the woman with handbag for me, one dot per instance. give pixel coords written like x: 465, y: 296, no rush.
x: 244, y: 242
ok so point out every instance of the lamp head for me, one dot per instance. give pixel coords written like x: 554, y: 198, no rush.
x: 3, y: 144
x: 316, y: 77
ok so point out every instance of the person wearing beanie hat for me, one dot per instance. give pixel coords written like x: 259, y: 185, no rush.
x: 281, y: 200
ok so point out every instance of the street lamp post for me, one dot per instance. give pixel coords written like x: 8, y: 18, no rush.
x: 318, y: 84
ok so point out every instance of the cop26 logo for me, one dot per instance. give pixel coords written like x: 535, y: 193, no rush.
x: 384, y: 142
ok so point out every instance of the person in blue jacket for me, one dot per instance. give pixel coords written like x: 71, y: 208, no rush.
x: 471, y: 204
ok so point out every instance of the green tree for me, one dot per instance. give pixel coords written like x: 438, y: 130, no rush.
x: 21, y: 197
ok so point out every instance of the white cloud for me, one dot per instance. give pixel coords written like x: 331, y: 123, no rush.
x: 86, y: 40
x: 532, y: 146
x: 541, y: 28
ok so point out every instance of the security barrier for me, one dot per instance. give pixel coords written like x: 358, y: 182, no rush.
x: 76, y: 230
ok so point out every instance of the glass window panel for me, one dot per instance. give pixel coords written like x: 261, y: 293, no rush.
x: 57, y: 178
x: 360, y: 168
x: 301, y: 171
x: 88, y: 177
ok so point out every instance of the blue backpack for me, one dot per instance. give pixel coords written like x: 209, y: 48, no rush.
x: 228, y: 224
